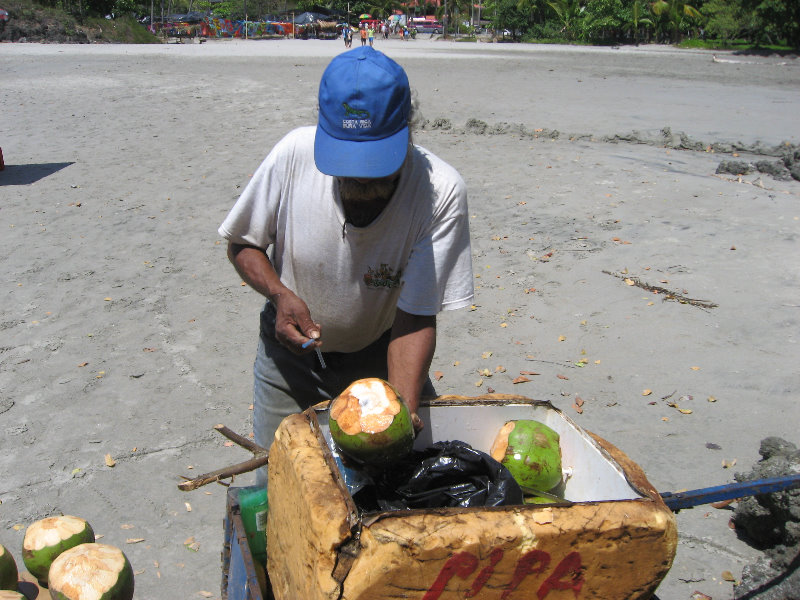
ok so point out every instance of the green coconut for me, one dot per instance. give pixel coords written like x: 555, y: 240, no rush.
x: 537, y: 500
x: 11, y: 595
x: 8, y: 570
x: 47, y: 538
x: 91, y: 572
x: 531, y: 452
x: 371, y: 423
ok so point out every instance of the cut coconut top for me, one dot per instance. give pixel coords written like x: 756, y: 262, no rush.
x: 367, y: 405
x: 52, y: 531
x: 87, y: 571
x: 500, y: 444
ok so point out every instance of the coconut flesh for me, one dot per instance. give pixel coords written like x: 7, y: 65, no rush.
x: 47, y: 538
x: 530, y: 450
x: 10, y: 595
x: 8, y: 570
x: 371, y: 423
x: 91, y: 572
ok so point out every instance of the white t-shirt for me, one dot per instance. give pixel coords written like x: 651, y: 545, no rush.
x: 415, y: 255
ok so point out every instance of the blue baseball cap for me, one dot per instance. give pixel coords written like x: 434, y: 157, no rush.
x: 364, y: 107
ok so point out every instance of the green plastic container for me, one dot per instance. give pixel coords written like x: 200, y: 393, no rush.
x: 254, y: 507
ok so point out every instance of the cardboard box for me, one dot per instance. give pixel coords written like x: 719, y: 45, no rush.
x: 616, y: 542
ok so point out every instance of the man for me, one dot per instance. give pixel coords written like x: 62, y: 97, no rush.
x: 368, y: 241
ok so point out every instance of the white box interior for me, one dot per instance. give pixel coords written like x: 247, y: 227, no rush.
x: 592, y: 475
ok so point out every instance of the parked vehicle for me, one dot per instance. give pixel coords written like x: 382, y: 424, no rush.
x: 428, y: 27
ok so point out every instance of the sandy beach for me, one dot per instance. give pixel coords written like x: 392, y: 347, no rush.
x: 592, y: 174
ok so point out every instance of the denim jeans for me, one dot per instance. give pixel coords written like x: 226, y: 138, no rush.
x: 285, y: 383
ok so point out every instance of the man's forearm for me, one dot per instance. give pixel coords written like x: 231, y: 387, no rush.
x: 293, y: 323
x: 410, y: 354
x: 254, y: 266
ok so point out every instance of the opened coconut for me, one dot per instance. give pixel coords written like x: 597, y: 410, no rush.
x: 531, y: 452
x: 371, y: 423
x: 91, y: 572
x: 8, y: 570
x: 47, y: 538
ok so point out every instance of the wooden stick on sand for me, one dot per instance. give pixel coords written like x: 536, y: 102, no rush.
x: 260, y: 458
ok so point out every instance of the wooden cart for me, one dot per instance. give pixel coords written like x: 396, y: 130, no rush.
x: 614, y: 541
x: 242, y: 577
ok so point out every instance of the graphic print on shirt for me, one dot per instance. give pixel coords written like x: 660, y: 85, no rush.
x: 382, y: 277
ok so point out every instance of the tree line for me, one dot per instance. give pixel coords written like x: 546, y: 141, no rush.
x: 756, y: 22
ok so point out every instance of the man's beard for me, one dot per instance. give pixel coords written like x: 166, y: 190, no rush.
x: 352, y: 190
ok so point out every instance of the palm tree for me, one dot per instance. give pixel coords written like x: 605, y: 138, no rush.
x: 530, y: 7
x: 568, y: 12
x: 638, y: 20
x: 675, y: 11
x: 381, y: 9
x: 456, y: 9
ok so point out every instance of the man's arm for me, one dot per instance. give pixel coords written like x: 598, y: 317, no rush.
x: 254, y: 266
x: 293, y: 323
x: 410, y: 355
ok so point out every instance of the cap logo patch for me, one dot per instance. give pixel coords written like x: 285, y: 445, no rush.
x: 359, y: 118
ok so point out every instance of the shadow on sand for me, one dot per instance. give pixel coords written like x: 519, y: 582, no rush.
x: 27, y: 174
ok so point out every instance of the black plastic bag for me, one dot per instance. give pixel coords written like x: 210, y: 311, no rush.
x: 447, y: 474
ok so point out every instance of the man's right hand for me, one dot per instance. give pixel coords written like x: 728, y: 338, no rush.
x: 293, y: 322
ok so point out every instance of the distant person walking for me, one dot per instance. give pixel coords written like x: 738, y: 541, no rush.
x: 371, y: 35
x: 363, y: 35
